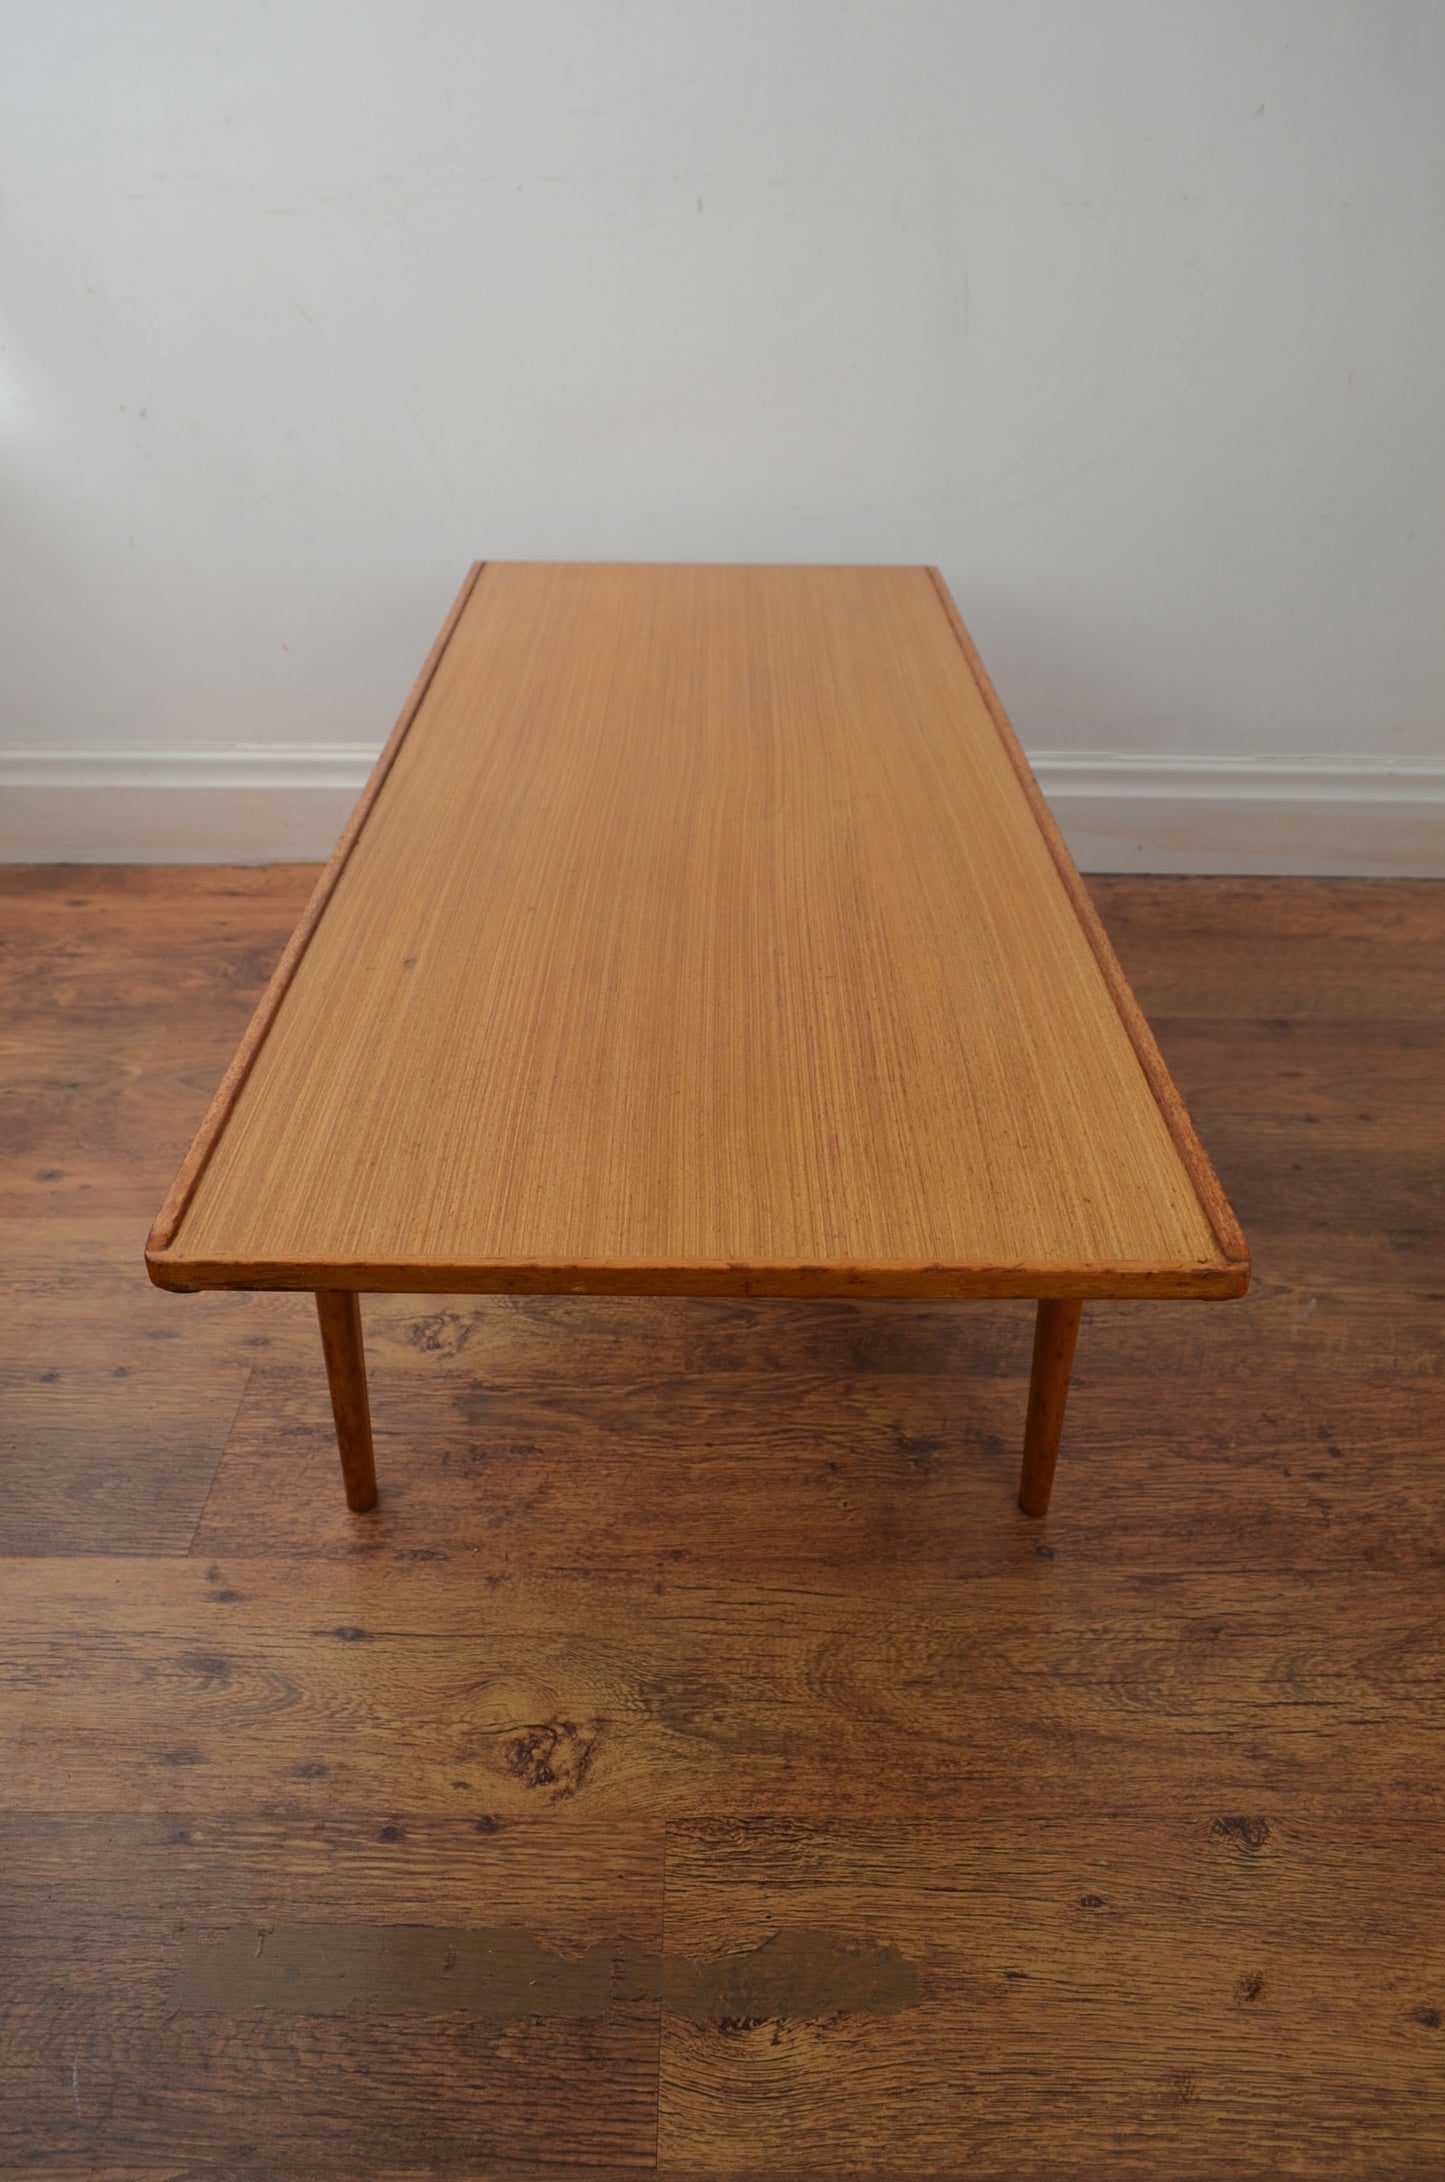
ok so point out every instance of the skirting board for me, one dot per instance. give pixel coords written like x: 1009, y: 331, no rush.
x: 263, y: 804
x: 1288, y: 816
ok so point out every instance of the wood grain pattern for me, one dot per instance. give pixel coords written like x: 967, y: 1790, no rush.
x: 405, y: 1686
x: 228, y: 1091
x: 655, y: 1477
x: 705, y: 936
x: 1317, y: 951
x: 123, y: 994
x: 1055, y: 1334
x: 101, y: 2067
x: 1181, y: 1128
x: 725, y: 1605
x: 339, y: 1313
x: 1191, y: 1941
x: 109, y: 1456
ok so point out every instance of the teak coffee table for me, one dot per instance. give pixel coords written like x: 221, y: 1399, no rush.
x: 701, y: 931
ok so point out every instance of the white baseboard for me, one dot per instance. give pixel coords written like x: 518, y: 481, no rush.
x: 1326, y: 817
x: 263, y: 804
x: 254, y: 803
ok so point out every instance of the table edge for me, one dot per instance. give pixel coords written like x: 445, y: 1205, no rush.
x: 696, y: 1277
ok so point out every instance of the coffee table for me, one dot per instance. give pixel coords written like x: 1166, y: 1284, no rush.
x: 701, y: 931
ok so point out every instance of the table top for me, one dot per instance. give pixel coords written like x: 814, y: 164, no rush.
x: 702, y: 930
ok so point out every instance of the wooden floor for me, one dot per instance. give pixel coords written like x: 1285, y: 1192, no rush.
x: 698, y: 1765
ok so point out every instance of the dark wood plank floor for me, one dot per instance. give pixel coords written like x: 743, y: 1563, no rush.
x: 698, y: 1765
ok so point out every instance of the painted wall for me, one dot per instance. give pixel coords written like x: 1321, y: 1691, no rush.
x: 1129, y: 313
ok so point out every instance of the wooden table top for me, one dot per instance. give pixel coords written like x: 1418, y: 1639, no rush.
x: 701, y: 930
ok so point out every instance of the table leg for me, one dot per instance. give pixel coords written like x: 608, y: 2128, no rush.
x: 340, y: 1313
x: 1055, y: 1333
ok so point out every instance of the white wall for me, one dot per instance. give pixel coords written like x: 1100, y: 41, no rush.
x: 1127, y: 312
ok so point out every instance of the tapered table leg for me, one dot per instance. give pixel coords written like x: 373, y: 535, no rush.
x: 340, y: 1313
x: 1055, y: 1332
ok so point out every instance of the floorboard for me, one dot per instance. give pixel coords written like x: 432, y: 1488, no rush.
x: 1203, y: 1959
x: 697, y: 1765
